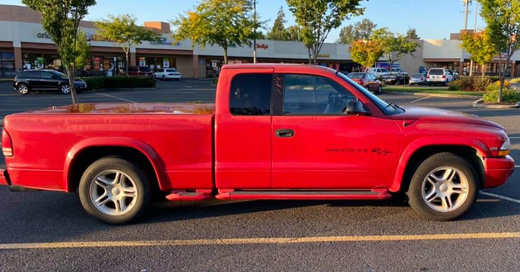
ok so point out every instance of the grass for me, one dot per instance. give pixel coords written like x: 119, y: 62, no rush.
x: 426, y: 89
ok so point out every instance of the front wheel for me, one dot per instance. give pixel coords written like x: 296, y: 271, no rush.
x: 443, y: 187
x: 114, y: 190
x: 65, y: 88
x: 23, y: 89
x: 379, y: 89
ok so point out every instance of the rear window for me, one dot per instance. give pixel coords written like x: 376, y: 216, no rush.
x: 144, y: 69
x: 251, y: 94
x: 418, y: 75
x: 356, y: 75
x: 170, y: 71
x: 436, y: 72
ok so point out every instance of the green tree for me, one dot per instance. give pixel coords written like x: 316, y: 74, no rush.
x: 318, y: 17
x: 359, y: 31
x: 225, y: 23
x: 394, y: 45
x: 480, y: 46
x: 83, y: 50
x: 503, y: 27
x: 366, y: 52
x: 412, y: 34
x: 294, y: 33
x: 60, y: 19
x: 124, y: 31
x: 278, y: 31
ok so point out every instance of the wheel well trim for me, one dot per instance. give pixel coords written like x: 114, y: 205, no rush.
x: 137, y: 145
x: 480, y: 148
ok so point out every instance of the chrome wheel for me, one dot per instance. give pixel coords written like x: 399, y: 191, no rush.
x: 113, y: 192
x: 445, y: 189
x: 65, y: 89
x: 23, y: 89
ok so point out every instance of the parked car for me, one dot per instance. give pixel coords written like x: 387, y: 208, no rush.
x: 140, y: 71
x: 376, y: 71
x: 274, y: 132
x: 367, y: 80
x: 417, y: 79
x: 167, y: 73
x: 438, y: 76
x: 401, y: 75
x: 391, y: 78
x: 45, y: 80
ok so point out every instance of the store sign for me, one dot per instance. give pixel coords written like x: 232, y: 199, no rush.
x: 323, y: 56
x: 262, y: 46
x: 165, y: 41
x: 166, y: 63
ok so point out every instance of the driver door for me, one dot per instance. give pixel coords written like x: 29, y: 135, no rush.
x: 317, y: 146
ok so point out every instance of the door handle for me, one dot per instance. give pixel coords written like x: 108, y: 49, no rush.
x: 284, y: 133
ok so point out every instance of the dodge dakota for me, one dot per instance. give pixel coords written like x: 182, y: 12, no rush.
x: 275, y: 132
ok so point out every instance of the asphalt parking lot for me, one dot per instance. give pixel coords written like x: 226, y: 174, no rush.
x: 54, y: 233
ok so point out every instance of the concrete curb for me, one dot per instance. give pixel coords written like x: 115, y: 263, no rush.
x: 480, y: 104
x: 437, y: 95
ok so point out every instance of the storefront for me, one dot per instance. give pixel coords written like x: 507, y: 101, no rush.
x: 7, y: 67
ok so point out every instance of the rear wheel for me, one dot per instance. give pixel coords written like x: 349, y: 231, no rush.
x: 443, y: 187
x: 114, y: 190
x: 23, y: 89
x: 379, y: 89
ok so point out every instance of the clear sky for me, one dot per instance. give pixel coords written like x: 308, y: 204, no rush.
x: 434, y: 19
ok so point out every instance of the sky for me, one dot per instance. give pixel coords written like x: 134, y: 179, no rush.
x: 434, y: 19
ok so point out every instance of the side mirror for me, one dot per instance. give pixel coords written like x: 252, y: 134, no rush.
x: 356, y: 107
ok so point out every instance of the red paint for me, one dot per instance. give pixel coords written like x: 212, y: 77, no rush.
x: 3, y: 178
x: 198, y: 149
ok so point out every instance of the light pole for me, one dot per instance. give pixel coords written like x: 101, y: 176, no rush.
x: 254, y: 32
x: 466, y: 12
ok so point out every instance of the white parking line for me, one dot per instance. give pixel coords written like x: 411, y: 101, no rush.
x: 115, y: 97
x: 420, y: 99
x: 501, y: 197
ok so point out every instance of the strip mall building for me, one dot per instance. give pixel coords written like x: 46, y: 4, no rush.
x: 25, y: 45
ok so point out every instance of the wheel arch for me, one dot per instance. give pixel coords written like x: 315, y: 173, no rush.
x: 473, y: 151
x: 87, y: 151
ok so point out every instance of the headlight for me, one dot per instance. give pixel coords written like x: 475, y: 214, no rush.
x: 504, y: 149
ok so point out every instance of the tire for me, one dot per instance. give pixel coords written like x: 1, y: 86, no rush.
x: 163, y: 78
x: 64, y: 88
x: 120, y: 188
x: 23, y: 89
x: 379, y: 89
x: 451, y: 196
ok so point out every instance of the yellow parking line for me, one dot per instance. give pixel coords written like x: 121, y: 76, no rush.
x: 250, y: 241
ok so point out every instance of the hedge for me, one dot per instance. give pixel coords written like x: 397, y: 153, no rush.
x: 95, y: 83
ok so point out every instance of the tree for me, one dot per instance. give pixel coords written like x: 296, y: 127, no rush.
x: 225, y: 23
x: 480, y: 46
x: 278, y: 32
x: 124, y: 31
x: 394, y: 46
x: 60, y: 19
x: 318, y: 17
x: 503, y: 27
x: 294, y: 33
x: 83, y: 50
x: 366, y: 52
x: 412, y: 34
x: 359, y: 31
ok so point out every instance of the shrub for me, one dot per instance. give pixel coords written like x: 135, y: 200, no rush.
x: 515, y: 80
x: 508, y: 95
x: 494, y: 78
x: 94, y: 83
x: 506, y: 84
x: 470, y: 84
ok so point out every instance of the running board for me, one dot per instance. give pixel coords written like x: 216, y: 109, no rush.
x: 376, y: 194
x: 195, y: 196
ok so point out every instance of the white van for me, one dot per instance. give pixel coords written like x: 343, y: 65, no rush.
x: 376, y: 71
x: 438, y: 76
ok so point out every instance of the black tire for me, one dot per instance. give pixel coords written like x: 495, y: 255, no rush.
x: 379, y: 89
x: 23, y: 89
x: 134, y: 176
x: 64, y: 88
x: 163, y: 78
x: 419, y: 187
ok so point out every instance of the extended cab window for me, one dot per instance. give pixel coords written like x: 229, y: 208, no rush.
x: 314, y: 95
x: 251, y: 94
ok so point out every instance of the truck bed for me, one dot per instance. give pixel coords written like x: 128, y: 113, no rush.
x: 178, y: 138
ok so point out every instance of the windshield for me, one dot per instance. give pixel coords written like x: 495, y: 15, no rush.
x: 144, y: 69
x: 170, y: 70
x: 356, y: 75
x: 384, y: 70
x: 418, y: 75
x: 388, y: 109
x: 62, y: 75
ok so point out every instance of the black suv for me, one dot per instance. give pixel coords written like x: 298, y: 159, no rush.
x: 45, y: 80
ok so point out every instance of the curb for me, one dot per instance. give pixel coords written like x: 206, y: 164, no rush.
x: 480, y: 104
x: 436, y: 95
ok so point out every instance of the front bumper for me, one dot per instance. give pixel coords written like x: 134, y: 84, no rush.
x: 497, y: 171
x: 4, y: 177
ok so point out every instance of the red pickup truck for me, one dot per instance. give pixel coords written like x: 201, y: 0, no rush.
x: 275, y: 132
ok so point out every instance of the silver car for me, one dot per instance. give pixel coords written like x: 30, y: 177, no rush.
x: 417, y: 79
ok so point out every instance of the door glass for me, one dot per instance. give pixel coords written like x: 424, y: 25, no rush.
x: 46, y: 75
x: 314, y: 95
x: 251, y: 94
